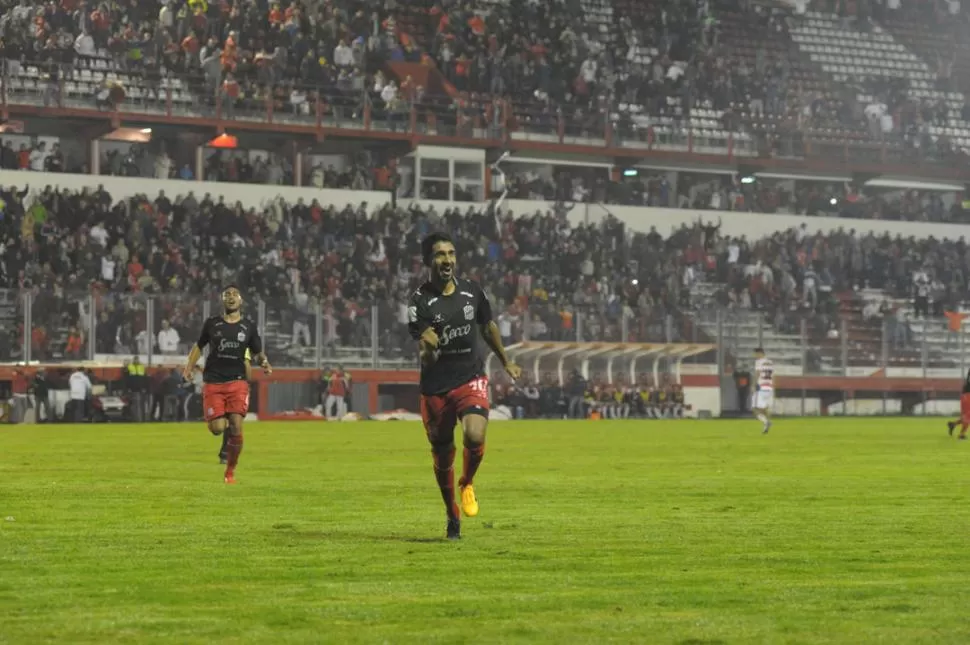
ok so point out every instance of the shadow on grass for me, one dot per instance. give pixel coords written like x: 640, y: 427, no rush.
x: 292, y: 531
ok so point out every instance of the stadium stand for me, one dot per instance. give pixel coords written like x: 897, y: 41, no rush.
x: 550, y: 281
x: 760, y: 81
x: 754, y: 79
x: 163, y: 247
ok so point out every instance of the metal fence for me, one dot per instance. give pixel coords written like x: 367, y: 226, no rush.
x: 65, y: 326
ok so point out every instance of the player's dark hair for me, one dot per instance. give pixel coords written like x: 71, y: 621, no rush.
x: 759, y: 350
x: 231, y: 285
x: 427, y: 245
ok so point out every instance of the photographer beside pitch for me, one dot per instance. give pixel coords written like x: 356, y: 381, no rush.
x: 448, y: 315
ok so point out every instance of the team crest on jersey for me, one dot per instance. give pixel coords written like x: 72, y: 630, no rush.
x: 241, y: 336
x: 469, y: 312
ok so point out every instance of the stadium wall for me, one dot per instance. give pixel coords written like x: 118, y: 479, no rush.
x: 637, y: 218
x: 289, y: 392
x: 250, y: 195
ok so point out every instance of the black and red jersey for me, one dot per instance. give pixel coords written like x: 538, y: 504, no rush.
x: 456, y: 319
x: 227, y: 343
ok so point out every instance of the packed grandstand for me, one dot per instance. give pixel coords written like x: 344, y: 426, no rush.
x: 844, y: 89
x: 774, y: 78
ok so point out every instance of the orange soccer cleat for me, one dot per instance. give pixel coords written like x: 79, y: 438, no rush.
x: 469, y: 503
x: 230, y: 477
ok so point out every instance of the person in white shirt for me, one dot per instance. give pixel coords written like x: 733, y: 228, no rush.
x: 299, y: 102
x: 343, y: 56
x: 871, y: 310
x: 301, y: 318
x: 142, y: 342
x: 921, y: 284
x: 163, y: 166
x: 505, y: 327
x: 22, y: 11
x: 168, y: 339
x: 84, y: 45
x: 165, y: 16
x: 716, y: 200
x: 379, y: 82
x: 38, y: 156
x: 108, y: 266
x: 389, y: 93
x: 79, y: 386
x: 764, y: 395
x: 588, y: 70
x: 99, y: 235
x: 538, y: 329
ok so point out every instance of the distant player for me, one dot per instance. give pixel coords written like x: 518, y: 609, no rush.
x: 225, y: 390
x: 338, y: 385
x: 448, y: 315
x: 764, y: 395
x: 964, y: 420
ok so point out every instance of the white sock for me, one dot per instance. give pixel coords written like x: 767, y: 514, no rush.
x: 760, y: 416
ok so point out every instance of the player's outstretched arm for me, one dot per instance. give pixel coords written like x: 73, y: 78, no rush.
x: 493, y: 338
x: 194, y: 355
x: 263, y: 362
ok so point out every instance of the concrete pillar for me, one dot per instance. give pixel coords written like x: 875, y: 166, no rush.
x: 200, y: 163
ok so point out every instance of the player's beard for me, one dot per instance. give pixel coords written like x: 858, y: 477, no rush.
x: 443, y: 275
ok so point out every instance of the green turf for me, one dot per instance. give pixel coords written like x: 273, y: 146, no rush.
x: 825, y: 531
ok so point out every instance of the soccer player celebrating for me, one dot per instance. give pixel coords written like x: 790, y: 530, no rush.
x: 764, y: 395
x: 447, y: 315
x: 225, y: 393
x: 964, y: 420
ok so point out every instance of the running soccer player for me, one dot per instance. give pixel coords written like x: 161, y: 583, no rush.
x: 225, y: 390
x: 447, y: 315
x: 964, y: 420
x: 764, y: 395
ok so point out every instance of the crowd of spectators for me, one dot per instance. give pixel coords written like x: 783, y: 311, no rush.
x: 296, y: 257
x: 549, y: 280
x: 552, y: 60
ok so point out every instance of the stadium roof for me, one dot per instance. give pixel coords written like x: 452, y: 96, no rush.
x: 529, y: 354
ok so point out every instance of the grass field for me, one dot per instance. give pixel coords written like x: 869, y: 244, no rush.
x: 688, y: 533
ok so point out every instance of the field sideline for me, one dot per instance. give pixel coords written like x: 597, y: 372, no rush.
x: 679, y: 532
